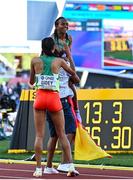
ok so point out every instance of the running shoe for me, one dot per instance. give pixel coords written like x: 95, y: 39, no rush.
x: 51, y: 170
x: 38, y: 172
x: 68, y: 167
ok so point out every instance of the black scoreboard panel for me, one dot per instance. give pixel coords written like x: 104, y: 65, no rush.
x: 107, y: 115
x: 109, y: 123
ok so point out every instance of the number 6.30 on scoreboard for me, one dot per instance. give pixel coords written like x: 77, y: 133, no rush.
x: 107, y: 115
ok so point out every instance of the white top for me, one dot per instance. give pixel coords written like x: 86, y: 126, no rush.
x: 65, y: 90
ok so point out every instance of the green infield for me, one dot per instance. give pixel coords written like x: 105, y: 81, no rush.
x: 124, y: 160
x: 123, y: 55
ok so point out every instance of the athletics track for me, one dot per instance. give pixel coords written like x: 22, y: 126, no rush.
x: 12, y: 169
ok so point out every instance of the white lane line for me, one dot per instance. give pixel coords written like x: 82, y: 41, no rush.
x: 12, y: 177
x: 110, y: 176
x: 21, y: 170
x: 95, y: 175
x: 103, y: 175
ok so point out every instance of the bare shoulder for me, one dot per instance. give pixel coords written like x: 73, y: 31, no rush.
x: 35, y: 60
x: 58, y: 61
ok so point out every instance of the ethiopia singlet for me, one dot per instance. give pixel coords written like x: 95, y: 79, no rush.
x: 65, y: 90
x: 47, y: 79
x: 60, y: 45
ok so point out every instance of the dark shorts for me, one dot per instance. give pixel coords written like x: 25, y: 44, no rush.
x: 70, y: 126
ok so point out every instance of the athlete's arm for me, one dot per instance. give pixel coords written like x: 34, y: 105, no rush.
x: 69, y: 57
x: 32, y: 74
x: 67, y: 68
x: 75, y: 79
x: 67, y: 49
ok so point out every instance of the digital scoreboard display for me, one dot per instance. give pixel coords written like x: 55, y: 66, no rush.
x: 108, y: 116
x: 104, y: 27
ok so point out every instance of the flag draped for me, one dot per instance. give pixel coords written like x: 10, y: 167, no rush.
x: 85, y: 148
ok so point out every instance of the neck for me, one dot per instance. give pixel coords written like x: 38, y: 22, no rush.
x: 61, y: 35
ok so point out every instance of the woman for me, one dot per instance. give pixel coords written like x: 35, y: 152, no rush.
x: 63, y: 45
x: 44, y: 76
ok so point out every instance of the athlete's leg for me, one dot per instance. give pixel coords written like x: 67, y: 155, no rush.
x: 70, y: 137
x: 70, y: 126
x: 39, y: 121
x: 51, y: 149
x: 58, y: 120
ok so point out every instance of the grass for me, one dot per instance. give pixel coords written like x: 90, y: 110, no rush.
x: 125, y: 160
x: 125, y: 55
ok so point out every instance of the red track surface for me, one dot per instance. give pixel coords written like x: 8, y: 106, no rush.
x: 25, y: 171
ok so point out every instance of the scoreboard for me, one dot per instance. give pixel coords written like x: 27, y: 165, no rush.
x: 108, y: 116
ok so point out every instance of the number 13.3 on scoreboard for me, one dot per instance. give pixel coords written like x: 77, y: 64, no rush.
x: 110, y: 122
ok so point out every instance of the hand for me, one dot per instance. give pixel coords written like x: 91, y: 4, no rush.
x: 78, y: 115
x: 31, y: 86
x: 75, y: 79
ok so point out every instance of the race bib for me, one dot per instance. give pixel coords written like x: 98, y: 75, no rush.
x: 46, y: 82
